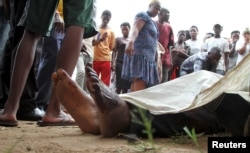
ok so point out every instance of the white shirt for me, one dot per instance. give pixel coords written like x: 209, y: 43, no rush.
x: 240, y: 44
x: 223, y: 44
x: 194, y: 45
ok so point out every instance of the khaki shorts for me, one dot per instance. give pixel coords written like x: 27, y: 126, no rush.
x: 76, y: 12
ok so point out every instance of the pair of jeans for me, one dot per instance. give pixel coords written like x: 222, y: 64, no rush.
x: 4, y: 36
x: 46, y: 67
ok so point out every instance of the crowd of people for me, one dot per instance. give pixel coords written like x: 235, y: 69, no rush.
x: 65, y: 38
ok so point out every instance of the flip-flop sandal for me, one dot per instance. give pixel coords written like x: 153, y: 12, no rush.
x: 8, y: 123
x: 66, y: 121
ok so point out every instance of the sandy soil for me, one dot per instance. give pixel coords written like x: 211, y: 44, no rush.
x: 30, y: 138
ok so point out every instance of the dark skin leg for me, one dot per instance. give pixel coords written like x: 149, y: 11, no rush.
x: 114, y: 114
x: 104, y: 112
x: 23, y: 62
x: 77, y: 102
x: 67, y: 59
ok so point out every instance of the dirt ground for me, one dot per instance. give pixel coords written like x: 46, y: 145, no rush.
x: 30, y: 138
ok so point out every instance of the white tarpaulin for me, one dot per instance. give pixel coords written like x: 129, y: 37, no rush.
x: 193, y: 90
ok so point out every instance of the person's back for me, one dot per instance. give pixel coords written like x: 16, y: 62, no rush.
x: 201, y: 61
x: 194, y: 63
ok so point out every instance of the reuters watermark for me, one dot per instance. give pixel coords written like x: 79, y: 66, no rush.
x: 228, y: 144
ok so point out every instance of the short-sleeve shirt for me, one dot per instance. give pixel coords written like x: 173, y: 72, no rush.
x: 146, y: 42
x: 223, y: 44
x: 195, y: 46
x: 166, y: 38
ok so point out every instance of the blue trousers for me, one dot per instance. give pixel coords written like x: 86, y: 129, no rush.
x: 47, y: 66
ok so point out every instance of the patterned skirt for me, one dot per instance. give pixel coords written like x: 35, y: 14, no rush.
x: 141, y: 67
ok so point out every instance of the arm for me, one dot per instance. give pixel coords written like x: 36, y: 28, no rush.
x: 232, y: 49
x: 112, y: 41
x: 138, y: 25
x: 226, y: 59
x: 242, y: 49
x: 101, y: 39
x: 171, y: 38
x: 205, y: 46
x: 226, y: 56
x: 114, y: 54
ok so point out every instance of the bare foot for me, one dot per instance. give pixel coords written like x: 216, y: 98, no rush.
x: 77, y: 102
x: 114, y: 113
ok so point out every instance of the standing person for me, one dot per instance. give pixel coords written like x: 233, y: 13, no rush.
x: 222, y: 43
x: 78, y: 17
x: 103, y: 46
x: 140, y: 64
x: 166, y: 38
x: 233, y: 54
x: 28, y: 109
x: 243, y: 46
x: 178, y: 54
x: 122, y: 86
x: 86, y: 56
x: 201, y: 61
x: 194, y: 44
x: 47, y: 62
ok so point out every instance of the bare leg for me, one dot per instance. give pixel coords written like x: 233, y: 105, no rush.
x: 137, y: 85
x: 22, y: 65
x: 77, y: 102
x: 114, y: 114
x: 67, y: 59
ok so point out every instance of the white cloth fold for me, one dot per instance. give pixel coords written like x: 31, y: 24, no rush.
x: 193, y: 90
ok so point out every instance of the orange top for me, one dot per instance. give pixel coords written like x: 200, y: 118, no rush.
x: 60, y: 8
x: 102, y: 51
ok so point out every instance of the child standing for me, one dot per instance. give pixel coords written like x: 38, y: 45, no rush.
x: 122, y: 85
x: 103, y: 46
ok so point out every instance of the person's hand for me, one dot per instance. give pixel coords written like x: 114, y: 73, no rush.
x: 129, y: 48
x: 104, y: 36
x: 247, y: 38
x: 58, y: 23
x: 113, y: 67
